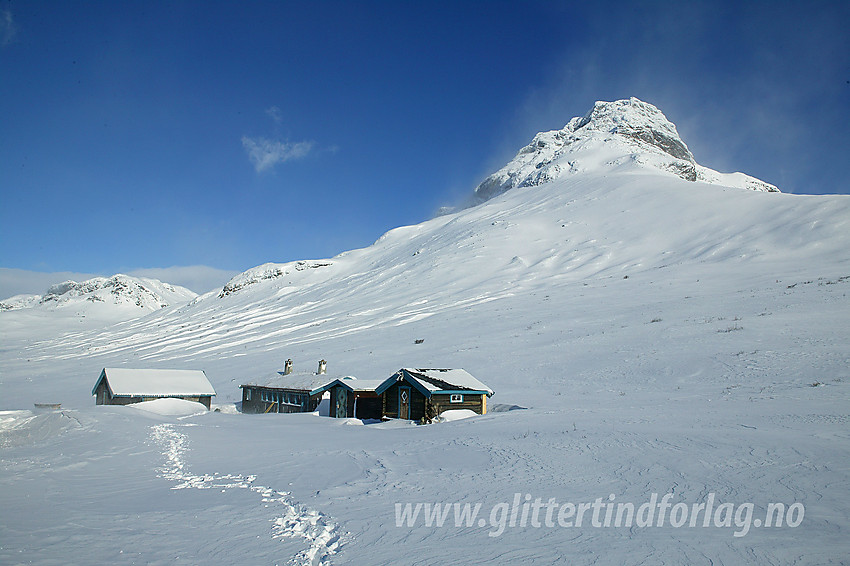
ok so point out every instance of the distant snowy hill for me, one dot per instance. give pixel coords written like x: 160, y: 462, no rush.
x: 612, y: 136
x: 117, y: 294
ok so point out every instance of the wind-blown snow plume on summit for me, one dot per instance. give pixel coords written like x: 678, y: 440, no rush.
x: 624, y: 133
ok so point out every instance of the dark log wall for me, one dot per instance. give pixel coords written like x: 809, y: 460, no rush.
x: 368, y: 407
x: 391, y: 404
x: 472, y: 402
x: 262, y: 399
x: 102, y: 394
x: 104, y: 398
x: 251, y: 401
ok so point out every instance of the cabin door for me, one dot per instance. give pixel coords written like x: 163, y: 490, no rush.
x: 404, y: 403
x: 341, y: 403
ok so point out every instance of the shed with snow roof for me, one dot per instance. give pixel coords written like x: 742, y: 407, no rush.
x: 122, y: 386
x: 417, y: 394
x: 352, y: 397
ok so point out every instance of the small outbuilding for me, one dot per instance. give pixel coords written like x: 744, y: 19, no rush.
x: 351, y: 397
x: 122, y: 386
x: 417, y: 394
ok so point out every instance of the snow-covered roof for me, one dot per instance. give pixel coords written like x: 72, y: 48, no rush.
x: 301, y: 381
x: 126, y: 382
x: 364, y: 384
x: 437, y: 380
x: 446, y: 379
x: 352, y: 384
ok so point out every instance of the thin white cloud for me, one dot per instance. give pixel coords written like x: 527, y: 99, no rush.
x: 275, y: 114
x: 25, y: 282
x: 8, y: 29
x: 265, y: 153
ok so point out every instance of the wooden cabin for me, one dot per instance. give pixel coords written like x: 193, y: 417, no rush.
x: 122, y: 386
x: 285, y: 391
x: 352, y: 397
x: 422, y: 394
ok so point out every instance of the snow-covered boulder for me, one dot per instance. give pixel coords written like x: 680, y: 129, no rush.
x: 456, y: 415
x: 169, y: 406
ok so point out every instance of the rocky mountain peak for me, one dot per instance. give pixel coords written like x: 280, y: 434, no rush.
x: 609, y: 136
x: 635, y: 120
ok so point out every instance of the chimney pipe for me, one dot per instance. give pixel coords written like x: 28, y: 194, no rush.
x: 323, y: 366
x: 287, y: 367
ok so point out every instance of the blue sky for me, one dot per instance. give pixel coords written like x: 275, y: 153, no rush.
x: 141, y: 135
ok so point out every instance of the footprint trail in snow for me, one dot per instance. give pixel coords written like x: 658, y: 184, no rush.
x: 297, y: 521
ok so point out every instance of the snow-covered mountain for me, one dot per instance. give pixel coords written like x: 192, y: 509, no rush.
x: 669, y: 332
x: 140, y: 293
x: 613, y: 135
x: 617, y: 212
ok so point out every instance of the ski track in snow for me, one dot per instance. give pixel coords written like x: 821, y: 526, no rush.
x: 297, y: 521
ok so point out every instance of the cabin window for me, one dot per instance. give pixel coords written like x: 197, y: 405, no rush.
x: 247, y: 394
x: 456, y: 398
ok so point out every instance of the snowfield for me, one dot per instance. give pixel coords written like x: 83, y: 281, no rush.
x: 655, y: 336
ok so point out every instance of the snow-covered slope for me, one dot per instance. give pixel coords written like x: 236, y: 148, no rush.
x: 667, y: 336
x: 613, y: 135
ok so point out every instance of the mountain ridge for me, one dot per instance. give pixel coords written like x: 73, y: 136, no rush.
x: 119, y: 290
